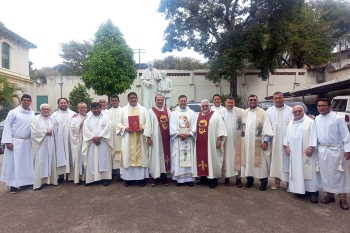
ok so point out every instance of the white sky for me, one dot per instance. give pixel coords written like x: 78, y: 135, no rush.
x: 47, y: 23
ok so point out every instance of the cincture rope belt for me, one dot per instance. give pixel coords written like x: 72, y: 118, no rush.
x: 330, y: 145
x: 18, y: 137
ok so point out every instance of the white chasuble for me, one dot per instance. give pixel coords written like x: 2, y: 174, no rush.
x: 279, y: 118
x: 17, y: 165
x: 232, y: 157
x: 182, y: 121
x: 45, y: 171
x: 76, y: 133
x: 255, y: 125
x: 299, y: 136
x: 97, y: 159
x: 135, y: 151
x: 333, y: 140
x: 61, y: 121
x: 114, y: 114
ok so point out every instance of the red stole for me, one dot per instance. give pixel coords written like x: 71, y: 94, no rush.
x: 163, y: 121
x: 202, y: 144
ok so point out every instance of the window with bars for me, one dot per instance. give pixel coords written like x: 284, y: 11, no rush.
x: 5, y: 55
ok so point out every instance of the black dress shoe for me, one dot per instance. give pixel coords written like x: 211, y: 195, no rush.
x: 178, y: 184
x: 80, y: 182
x: 87, y: 184
x: 227, y: 182
x: 127, y: 183
x: 13, y: 190
x: 105, y: 183
x: 40, y: 188
x: 263, y: 187
x: 248, y: 184
x: 190, y: 184
x: 60, y: 180
x: 212, y: 186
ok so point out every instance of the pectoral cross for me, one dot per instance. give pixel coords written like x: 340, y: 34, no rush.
x: 167, y: 160
x: 202, y: 165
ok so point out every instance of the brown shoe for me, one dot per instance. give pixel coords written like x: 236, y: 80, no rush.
x: 239, y: 183
x: 328, y: 199
x: 314, y: 199
x: 343, y: 205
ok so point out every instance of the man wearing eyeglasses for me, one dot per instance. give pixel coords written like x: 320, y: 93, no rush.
x: 333, y: 150
x: 45, y: 171
x: 17, y: 165
x: 209, y: 150
x: 300, y: 141
x: 279, y: 115
x: 256, y: 129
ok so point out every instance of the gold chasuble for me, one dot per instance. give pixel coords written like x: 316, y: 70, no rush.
x: 135, y: 141
x: 202, y: 144
x: 259, y: 123
x: 163, y: 122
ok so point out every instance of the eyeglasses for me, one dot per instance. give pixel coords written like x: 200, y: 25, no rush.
x: 297, y: 111
x: 205, y: 106
x: 45, y: 109
x: 252, y: 100
x: 26, y: 101
x: 322, y: 106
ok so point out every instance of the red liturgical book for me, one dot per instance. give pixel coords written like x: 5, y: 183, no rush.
x: 134, y: 124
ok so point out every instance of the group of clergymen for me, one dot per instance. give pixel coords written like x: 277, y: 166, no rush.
x: 133, y: 142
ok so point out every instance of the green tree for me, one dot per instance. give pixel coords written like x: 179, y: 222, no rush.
x: 110, y: 68
x: 74, y: 54
x: 179, y: 63
x: 9, y: 98
x: 77, y: 95
x: 230, y: 33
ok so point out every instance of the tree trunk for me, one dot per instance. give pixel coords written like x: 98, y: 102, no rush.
x: 233, y: 88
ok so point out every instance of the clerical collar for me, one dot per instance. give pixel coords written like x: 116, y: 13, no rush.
x: 159, y: 109
x: 301, y: 119
x: 182, y: 110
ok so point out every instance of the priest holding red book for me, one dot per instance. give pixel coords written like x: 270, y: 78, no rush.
x: 135, y: 128
x: 209, y: 149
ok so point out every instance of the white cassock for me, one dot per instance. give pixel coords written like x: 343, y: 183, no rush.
x: 216, y: 128
x: 233, y: 123
x: 76, y: 133
x: 134, y: 161
x: 17, y: 165
x: 256, y: 125
x: 300, y: 135
x: 114, y: 114
x: 217, y: 109
x: 61, y: 127
x: 149, y: 87
x: 97, y: 159
x: 333, y: 140
x: 45, y: 170
x: 181, y: 165
x: 156, y: 157
x: 279, y: 118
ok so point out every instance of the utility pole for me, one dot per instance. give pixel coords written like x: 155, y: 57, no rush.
x: 139, y: 51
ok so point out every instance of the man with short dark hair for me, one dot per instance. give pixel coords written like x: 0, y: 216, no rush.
x: 255, y: 160
x: 333, y: 150
x: 17, y: 165
x: 135, y: 128
x: 279, y: 115
x: 232, y: 159
x: 61, y: 120
x: 114, y: 114
x: 217, y: 103
x: 182, y: 132
x: 97, y: 146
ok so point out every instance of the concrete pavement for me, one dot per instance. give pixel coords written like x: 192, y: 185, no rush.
x: 72, y: 208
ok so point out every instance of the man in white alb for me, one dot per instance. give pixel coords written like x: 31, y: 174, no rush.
x: 182, y: 132
x: 43, y: 144
x: 217, y: 103
x: 333, y: 150
x: 300, y: 142
x: 279, y: 115
x: 17, y: 165
x: 61, y: 127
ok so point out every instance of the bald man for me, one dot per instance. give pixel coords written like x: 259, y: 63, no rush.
x: 300, y: 142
